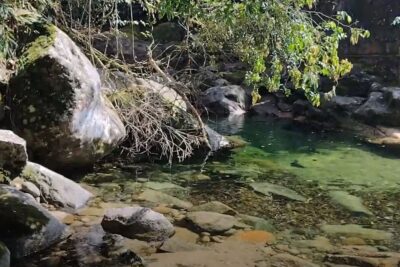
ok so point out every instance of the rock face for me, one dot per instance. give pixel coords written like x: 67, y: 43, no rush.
x: 138, y: 223
x: 226, y: 100
x: 55, y: 188
x: 26, y: 227
x: 382, y: 107
x: 58, y: 106
x: 4, y: 256
x: 13, y: 154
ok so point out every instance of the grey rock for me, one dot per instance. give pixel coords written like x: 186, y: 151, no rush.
x: 226, y: 100
x: 343, y: 104
x: 30, y: 188
x: 26, y: 227
x: 211, y: 222
x: 266, y: 188
x: 349, y: 202
x: 59, y: 107
x: 162, y: 198
x: 354, y: 230
x: 216, y: 140
x: 13, y: 155
x: 215, y: 206
x: 4, y: 256
x: 137, y: 223
x: 381, y: 108
x: 55, y: 188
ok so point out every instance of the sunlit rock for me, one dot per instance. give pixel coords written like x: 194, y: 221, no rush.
x: 138, y: 223
x: 58, y: 104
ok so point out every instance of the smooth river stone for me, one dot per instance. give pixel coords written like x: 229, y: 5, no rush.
x: 211, y: 222
x: 354, y: 230
x: 268, y: 189
x: 349, y: 202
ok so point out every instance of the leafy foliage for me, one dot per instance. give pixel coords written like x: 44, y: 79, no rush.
x: 285, y: 44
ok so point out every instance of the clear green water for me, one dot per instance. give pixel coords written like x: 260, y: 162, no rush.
x: 331, y: 159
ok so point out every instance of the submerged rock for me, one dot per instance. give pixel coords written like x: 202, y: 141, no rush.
x: 161, y: 198
x: 257, y: 223
x: 138, y: 223
x: 13, y: 154
x: 4, y: 256
x: 215, y: 206
x: 226, y: 100
x: 26, y: 227
x: 167, y: 188
x: 349, y: 202
x: 211, y: 222
x: 354, y: 230
x: 268, y: 189
x: 58, y: 104
x: 55, y: 188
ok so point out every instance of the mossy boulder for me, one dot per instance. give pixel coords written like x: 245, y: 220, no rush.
x: 57, y: 104
x: 26, y: 227
x: 13, y: 155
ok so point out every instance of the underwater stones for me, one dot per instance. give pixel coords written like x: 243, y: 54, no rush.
x: 211, y: 222
x: 26, y: 227
x: 167, y: 188
x: 266, y: 188
x: 354, y: 230
x: 351, y: 203
x: 13, y: 155
x: 137, y: 223
x: 162, y: 198
x: 226, y: 100
x: 285, y: 259
x: 215, y: 206
x: 4, y: 256
x: 58, y: 105
x: 55, y: 188
x: 257, y: 223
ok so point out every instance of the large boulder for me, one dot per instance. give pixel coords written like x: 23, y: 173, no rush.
x: 13, y: 156
x: 138, y: 223
x: 343, y: 105
x: 226, y: 100
x: 4, y: 256
x: 55, y: 188
x: 381, y: 108
x: 58, y: 104
x: 26, y: 227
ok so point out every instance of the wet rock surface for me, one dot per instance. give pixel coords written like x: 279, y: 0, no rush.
x: 138, y: 223
x: 55, y: 188
x: 26, y: 226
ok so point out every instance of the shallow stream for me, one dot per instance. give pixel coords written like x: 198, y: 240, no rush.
x: 307, y: 165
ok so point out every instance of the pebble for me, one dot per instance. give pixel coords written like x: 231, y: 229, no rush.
x: 217, y: 239
x: 205, y: 239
